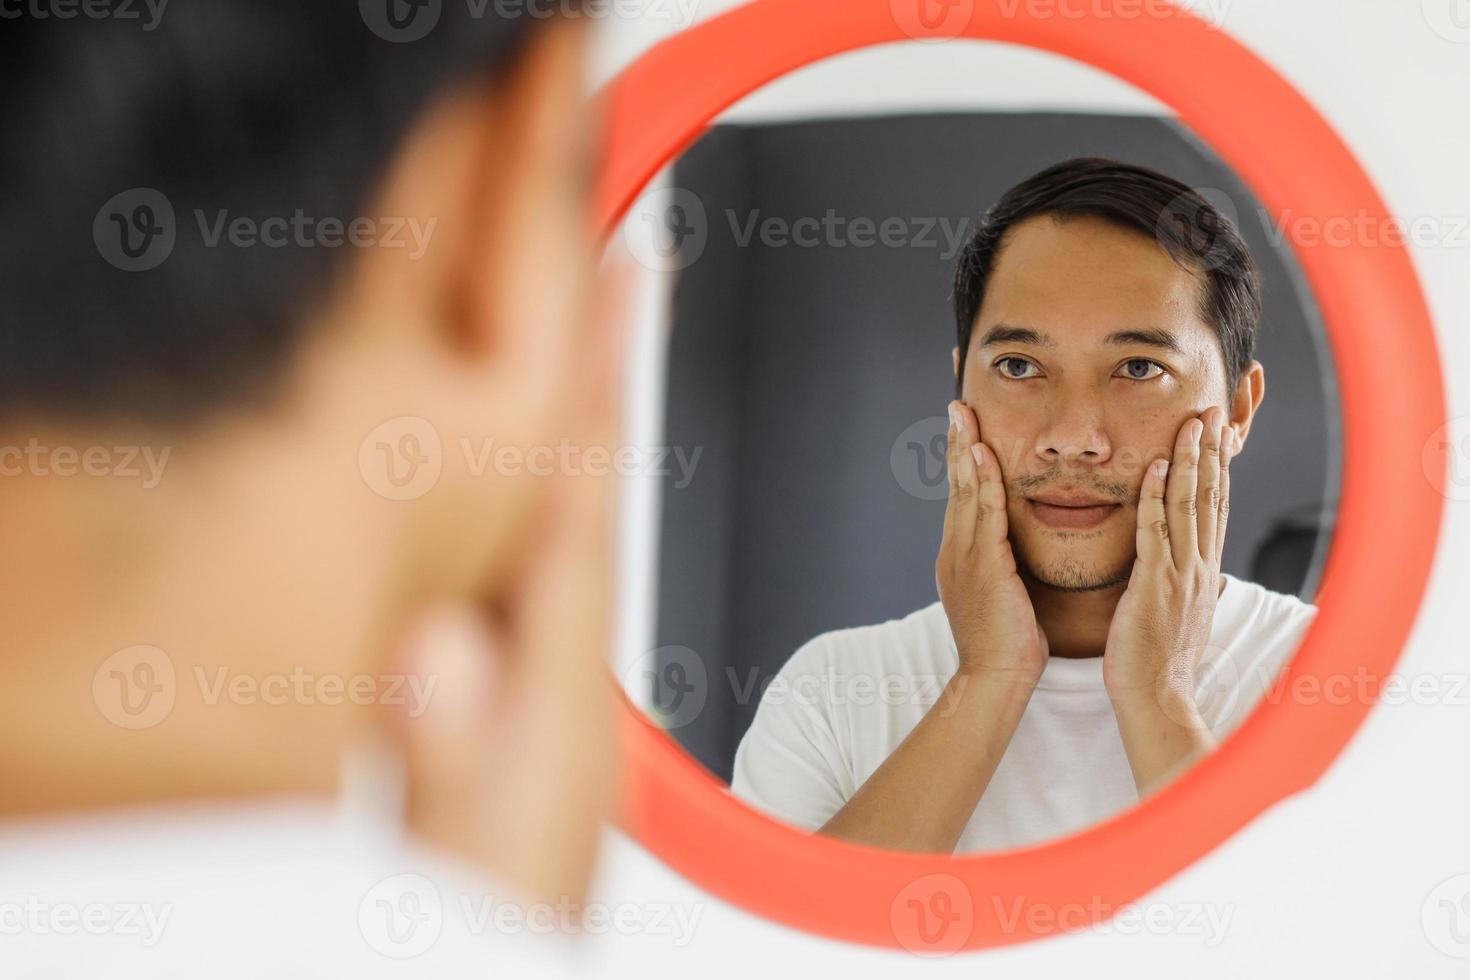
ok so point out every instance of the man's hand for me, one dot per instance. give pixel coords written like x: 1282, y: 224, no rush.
x: 523, y: 688
x: 989, y: 611
x: 1163, y: 620
x: 923, y: 795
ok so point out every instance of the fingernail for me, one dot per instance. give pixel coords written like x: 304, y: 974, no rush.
x: 978, y: 451
x: 1160, y: 467
x: 1196, y: 431
x: 954, y: 416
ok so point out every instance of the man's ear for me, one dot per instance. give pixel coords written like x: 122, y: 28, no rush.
x: 529, y: 207
x: 1249, y: 392
x: 486, y: 174
x: 528, y: 196
x: 954, y: 356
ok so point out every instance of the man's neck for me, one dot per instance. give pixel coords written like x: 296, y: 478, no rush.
x: 215, y: 591
x: 1075, y: 623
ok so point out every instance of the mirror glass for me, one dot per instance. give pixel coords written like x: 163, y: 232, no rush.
x: 808, y: 612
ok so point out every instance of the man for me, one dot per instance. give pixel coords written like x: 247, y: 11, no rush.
x: 304, y: 674
x: 1092, y: 647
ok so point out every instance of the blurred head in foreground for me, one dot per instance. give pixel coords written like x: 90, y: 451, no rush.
x: 292, y: 292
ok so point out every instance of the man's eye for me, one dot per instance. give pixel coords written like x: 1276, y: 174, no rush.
x: 1015, y: 368
x: 1141, y: 369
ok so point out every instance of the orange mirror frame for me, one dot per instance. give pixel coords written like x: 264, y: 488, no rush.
x: 1394, y: 465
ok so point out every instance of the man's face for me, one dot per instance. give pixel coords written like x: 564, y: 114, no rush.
x: 1087, y: 356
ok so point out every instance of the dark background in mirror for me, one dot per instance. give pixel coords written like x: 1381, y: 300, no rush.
x: 798, y: 371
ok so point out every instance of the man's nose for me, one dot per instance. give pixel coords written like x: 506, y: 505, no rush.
x: 1074, y: 433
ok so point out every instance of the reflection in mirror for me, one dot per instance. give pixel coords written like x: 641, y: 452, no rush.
x: 862, y: 624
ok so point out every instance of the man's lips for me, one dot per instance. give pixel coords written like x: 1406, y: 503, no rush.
x: 1071, y: 511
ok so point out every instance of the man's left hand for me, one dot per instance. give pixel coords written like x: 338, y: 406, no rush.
x: 1163, y: 621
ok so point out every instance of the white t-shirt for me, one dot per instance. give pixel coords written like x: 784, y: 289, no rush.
x: 846, y: 699
x: 280, y: 889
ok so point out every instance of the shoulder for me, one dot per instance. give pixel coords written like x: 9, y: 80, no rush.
x: 826, y: 715
x: 920, y: 640
x: 1249, y: 608
x: 323, y: 887
x: 1256, y: 632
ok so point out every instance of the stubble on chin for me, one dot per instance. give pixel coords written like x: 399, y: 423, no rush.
x: 1067, y: 574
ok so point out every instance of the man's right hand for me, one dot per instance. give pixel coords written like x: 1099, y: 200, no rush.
x: 989, y: 610
x: 922, y: 797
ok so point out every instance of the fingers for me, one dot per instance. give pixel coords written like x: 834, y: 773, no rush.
x: 990, y: 497
x: 1208, y: 498
x: 558, y: 624
x: 571, y: 565
x: 1196, y: 503
x: 1229, y: 447
x: 443, y: 741
x: 976, y: 512
x: 523, y: 689
x: 1153, y: 520
x: 959, y: 513
x: 1180, y: 496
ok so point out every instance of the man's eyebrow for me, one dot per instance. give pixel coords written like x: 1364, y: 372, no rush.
x: 1004, y: 334
x: 1149, y: 338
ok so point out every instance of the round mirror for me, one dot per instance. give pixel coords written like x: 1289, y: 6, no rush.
x: 867, y: 631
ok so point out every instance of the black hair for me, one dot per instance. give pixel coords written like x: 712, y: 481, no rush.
x: 127, y: 120
x: 1184, y: 223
